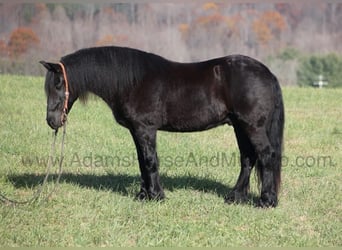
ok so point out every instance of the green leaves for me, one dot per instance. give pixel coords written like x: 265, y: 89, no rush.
x: 329, y: 66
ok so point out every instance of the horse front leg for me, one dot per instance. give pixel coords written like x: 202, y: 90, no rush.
x: 145, y: 142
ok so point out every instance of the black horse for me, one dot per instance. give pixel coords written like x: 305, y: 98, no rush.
x: 147, y: 93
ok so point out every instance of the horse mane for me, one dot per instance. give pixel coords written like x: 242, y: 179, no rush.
x: 110, y: 70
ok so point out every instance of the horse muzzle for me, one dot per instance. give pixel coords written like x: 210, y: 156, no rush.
x: 55, y: 121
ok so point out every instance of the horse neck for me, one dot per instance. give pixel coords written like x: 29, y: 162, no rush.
x: 86, y: 84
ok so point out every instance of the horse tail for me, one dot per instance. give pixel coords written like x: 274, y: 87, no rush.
x: 275, y: 132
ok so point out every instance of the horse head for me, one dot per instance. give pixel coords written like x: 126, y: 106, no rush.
x: 59, y: 101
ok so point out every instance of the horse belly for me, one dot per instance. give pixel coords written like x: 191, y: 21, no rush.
x: 190, y: 117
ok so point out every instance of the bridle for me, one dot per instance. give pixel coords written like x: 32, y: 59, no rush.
x: 65, y: 106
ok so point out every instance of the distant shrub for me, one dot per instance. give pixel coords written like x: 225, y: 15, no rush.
x: 329, y: 66
x: 289, y: 54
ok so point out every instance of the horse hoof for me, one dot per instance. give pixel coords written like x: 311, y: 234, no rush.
x: 266, y: 201
x: 141, y: 196
x: 156, y: 196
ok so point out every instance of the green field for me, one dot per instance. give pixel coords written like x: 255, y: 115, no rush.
x: 95, y: 206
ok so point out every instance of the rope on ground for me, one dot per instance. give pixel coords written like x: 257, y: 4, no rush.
x: 8, y: 201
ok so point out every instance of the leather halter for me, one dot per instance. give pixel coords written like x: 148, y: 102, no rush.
x: 65, y: 106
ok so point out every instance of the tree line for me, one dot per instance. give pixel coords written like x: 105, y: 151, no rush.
x: 184, y: 32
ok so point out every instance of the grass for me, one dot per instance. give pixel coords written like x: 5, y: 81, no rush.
x: 95, y: 206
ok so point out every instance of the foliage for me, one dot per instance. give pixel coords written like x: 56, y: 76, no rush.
x: 210, y: 21
x: 110, y: 40
x: 181, y: 32
x: 269, y: 26
x: 288, y: 54
x: 3, y: 48
x: 262, y: 31
x: 94, y: 205
x: 292, y: 67
x: 210, y: 6
x: 21, y: 40
x: 329, y: 66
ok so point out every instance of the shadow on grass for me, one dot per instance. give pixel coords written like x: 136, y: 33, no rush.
x: 122, y: 183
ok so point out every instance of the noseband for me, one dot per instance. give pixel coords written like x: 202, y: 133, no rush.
x: 65, y: 106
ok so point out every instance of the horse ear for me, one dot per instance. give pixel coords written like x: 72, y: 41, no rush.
x: 54, y: 67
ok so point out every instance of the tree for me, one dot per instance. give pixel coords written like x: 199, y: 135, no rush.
x: 21, y: 40
x: 210, y: 31
x: 3, y: 48
x: 262, y: 31
x: 269, y: 26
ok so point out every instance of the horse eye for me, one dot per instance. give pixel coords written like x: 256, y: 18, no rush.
x: 58, y: 83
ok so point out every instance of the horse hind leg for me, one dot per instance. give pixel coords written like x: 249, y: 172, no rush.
x: 259, y: 148
x: 267, y: 168
x: 248, y: 158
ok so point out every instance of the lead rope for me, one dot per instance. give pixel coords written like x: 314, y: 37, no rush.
x: 39, y: 191
x: 60, y: 169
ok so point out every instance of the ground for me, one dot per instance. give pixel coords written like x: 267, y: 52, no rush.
x: 94, y: 204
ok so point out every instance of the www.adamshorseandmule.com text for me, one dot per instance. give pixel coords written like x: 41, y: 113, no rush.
x: 220, y: 159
